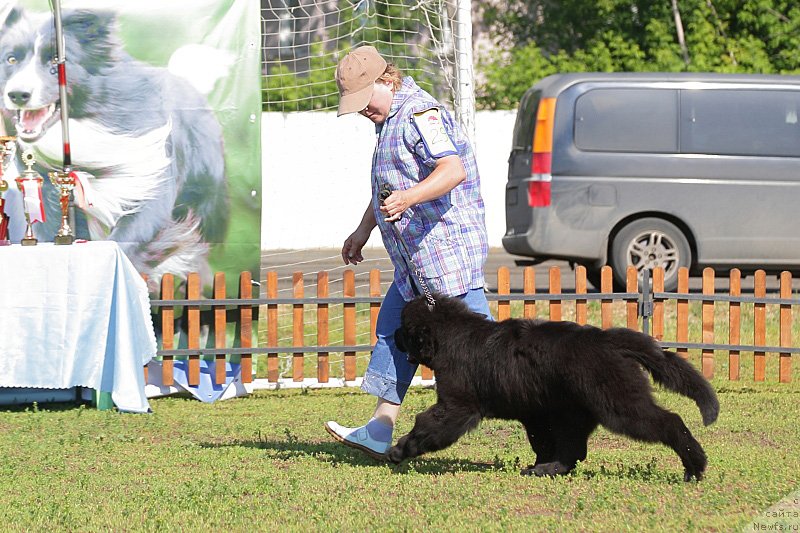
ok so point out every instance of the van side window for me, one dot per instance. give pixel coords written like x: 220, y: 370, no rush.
x: 627, y: 120
x: 740, y: 122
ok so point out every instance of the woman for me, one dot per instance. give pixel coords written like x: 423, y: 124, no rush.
x: 436, y: 208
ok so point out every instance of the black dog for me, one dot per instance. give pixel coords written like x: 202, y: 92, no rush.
x: 559, y: 379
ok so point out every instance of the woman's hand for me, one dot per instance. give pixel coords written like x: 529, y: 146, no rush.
x: 446, y: 175
x: 395, y: 204
x: 351, y: 250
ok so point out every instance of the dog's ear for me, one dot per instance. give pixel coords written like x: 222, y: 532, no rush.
x: 89, y: 24
x: 9, y: 15
x: 423, y: 338
x: 425, y: 348
x: 92, y: 29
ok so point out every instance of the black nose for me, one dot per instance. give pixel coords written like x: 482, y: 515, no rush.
x: 19, y: 97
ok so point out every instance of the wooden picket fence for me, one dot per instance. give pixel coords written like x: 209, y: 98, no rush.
x: 243, y: 315
x: 643, y: 310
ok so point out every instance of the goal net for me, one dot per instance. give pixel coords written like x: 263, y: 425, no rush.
x: 302, y: 41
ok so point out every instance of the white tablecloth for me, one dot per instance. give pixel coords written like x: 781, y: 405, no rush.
x: 76, y: 315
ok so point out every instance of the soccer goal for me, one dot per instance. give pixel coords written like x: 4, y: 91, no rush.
x: 302, y: 40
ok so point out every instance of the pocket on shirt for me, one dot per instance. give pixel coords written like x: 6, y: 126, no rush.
x: 437, y: 253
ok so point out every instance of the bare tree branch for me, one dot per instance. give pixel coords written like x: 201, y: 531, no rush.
x: 679, y: 29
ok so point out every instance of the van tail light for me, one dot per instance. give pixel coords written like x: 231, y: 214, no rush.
x: 541, y: 167
x: 539, y: 193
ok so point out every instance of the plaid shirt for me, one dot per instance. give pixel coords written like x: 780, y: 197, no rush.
x: 446, y: 237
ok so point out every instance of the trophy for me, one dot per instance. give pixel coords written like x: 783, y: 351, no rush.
x: 64, y: 182
x: 8, y: 148
x: 30, y: 185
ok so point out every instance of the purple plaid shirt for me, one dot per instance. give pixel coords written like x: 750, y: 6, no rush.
x: 446, y: 237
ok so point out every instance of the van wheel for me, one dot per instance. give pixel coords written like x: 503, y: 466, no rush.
x: 648, y: 243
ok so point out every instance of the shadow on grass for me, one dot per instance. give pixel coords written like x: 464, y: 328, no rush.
x: 336, y: 454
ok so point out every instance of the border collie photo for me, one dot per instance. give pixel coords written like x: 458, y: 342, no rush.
x: 147, y: 146
x: 559, y: 379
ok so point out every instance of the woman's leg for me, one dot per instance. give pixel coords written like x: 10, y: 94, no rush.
x: 388, y: 374
x: 388, y: 377
x: 386, y: 412
x: 476, y: 301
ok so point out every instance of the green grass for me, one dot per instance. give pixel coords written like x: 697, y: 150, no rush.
x: 264, y: 462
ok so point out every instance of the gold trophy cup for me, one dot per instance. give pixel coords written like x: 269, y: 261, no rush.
x: 64, y: 182
x: 8, y: 148
x: 28, y: 178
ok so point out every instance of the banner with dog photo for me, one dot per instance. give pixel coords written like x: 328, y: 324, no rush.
x: 164, y: 100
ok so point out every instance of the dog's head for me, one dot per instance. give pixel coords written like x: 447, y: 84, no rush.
x: 13, y: 27
x: 415, y: 336
x: 426, y: 330
x: 29, y: 70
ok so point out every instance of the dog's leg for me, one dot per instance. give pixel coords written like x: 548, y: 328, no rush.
x: 559, y: 440
x: 540, y: 437
x: 571, y: 430
x: 434, y: 429
x: 651, y: 423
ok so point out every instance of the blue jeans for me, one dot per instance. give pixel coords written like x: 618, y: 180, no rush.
x: 389, y: 373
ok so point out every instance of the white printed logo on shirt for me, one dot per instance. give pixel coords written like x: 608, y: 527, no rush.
x: 434, y: 135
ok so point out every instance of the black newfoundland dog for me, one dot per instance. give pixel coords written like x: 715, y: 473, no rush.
x: 559, y: 379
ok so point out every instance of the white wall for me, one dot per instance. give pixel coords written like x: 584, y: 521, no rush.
x: 316, y: 176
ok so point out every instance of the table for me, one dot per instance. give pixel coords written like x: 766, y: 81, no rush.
x: 75, y: 316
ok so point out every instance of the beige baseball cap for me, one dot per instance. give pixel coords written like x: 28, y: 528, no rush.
x: 356, y: 74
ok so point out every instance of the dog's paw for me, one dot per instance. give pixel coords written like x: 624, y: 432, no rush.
x: 697, y: 475
x: 395, y: 454
x: 545, y: 469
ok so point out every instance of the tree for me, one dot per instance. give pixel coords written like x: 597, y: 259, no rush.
x: 541, y: 37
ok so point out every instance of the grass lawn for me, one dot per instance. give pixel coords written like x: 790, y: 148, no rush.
x: 265, y: 462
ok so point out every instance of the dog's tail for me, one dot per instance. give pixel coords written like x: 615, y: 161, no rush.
x: 673, y: 372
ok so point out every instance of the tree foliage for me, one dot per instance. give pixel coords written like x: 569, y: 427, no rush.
x: 541, y: 37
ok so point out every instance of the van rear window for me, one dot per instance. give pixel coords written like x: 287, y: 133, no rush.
x: 740, y: 122
x: 526, y: 120
x: 627, y: 120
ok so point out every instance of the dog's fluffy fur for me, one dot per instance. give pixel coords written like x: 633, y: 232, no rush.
x: 145, y: 139
x: 559, y: 379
